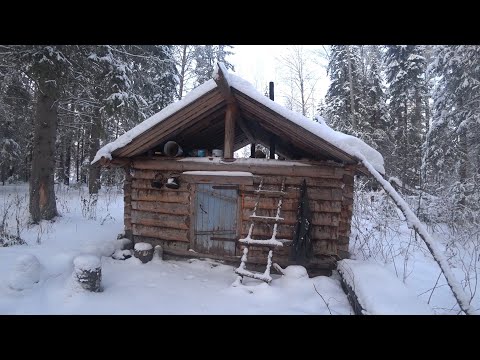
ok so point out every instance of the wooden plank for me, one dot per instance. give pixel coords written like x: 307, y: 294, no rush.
x: 210, y: 110
x: 260, y: 168
x: 288, y: 127
x: 178, y: 119
x: 165, y: 196
x: 244, y: 127
x: 162, y: 233
x: 160, y: 207
x: 229, y: 141
x: 158, y: 219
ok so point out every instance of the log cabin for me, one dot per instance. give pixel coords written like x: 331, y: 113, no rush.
x: 185, y: 190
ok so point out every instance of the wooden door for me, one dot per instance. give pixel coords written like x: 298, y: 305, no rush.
x: 216, y: 219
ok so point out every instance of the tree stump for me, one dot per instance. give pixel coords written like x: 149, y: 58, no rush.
x: 88, y: 272
x: 144, y: 252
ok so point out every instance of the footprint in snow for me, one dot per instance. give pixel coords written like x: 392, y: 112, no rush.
x: 189, y: 277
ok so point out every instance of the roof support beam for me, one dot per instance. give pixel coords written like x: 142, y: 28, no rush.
x: 229, y: 141
x: 232, y: 114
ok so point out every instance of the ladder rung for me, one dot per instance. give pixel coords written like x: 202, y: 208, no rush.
x: 274, y: 193
x: 269, y: 219
x: 262, y: 277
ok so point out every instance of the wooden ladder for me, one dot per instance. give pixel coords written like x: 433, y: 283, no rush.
x: 271, y: 243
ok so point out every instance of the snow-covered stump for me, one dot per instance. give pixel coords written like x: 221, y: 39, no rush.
x: 144, y: 252
x: 88, y: 272
x: 26, y: 272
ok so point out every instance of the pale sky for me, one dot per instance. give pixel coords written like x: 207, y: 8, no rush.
x: 259, y: 64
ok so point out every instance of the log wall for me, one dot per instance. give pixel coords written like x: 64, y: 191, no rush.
x: 165, y: 216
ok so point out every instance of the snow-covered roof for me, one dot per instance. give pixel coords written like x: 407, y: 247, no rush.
x: 346, y: 143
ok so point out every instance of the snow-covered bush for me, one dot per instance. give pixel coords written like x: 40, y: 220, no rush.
x: 25, y: 273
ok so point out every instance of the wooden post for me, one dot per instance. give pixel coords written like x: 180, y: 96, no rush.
x: 252, y: 150
x: 271, y: 92
x: 229, y: 132
x: 272, y: 147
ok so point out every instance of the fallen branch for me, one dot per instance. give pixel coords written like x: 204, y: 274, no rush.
x: 414, y: 223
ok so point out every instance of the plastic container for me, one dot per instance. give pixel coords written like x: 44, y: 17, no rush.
x: 217, y: 153
x: 201, y: 152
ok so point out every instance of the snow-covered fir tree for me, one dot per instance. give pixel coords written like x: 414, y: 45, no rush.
x: 345, y: 100
x: 207, y: 56
x: 408, y: 98
x: 452, y: 150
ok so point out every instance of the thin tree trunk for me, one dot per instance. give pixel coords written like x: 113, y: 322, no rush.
x: 350, y: 80
x: 68, y: 158
x: 77, y: 160
x: 94, y: 146
x: 182, y: 72
x: 42, y: 191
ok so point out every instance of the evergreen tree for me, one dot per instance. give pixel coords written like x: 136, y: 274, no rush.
x: 407, y: 94
x: 346, y: 108
x: 207, y: 56
x: 453, y: 142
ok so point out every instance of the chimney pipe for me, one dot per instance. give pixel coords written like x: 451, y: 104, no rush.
x: 272, y: 138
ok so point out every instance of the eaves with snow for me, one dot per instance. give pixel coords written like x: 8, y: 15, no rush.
x: 197, y: 121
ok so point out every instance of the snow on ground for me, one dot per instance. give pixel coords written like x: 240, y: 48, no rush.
x: 380, y: 234
x: 378, y: 291
x: 130, y: 287
x: 89, y: 226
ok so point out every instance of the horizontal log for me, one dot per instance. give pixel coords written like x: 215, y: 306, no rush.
x: 161, y: 207
x: 290, y: 217
x: 297, y: 181
x: 324, y: 247
x: 146, y: 184
x: 165, y: 196
x: 283, y: 261
x: 148, y: 174
x: 264, y: 231
x: 216, y: 179
x: 162, y: 220
x: 343, y: 240
x: 348, y: 191
x: 260, y: 167
x: 161, y: 233
x: 292, y: 193
x: 292, y: 204
x: 165, y: 244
